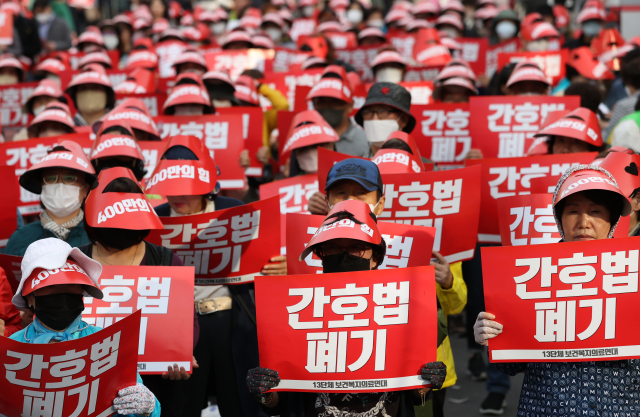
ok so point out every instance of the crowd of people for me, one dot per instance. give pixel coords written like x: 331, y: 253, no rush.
x: 71, y: 56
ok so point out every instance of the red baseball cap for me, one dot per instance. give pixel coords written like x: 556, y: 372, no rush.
x: 131, y: 211
x: 46, y: 88
x: 396, y: 161
x: 527, y: 71
x: 309, y: 128
x: 624, y: 168
x: 187, y: 94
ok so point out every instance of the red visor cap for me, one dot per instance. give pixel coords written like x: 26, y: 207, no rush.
x: 396, y: 161
x: 581, y: 124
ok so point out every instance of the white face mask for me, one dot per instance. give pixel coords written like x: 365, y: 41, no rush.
x: 43, y: 18
x: 377, y: 131
x: 354, y: 16
x: 220, y: 103
x: 188, y: 110
x: 60, y: 199
x: 537, y: 46
x: 111, y: 41
x: 274, y: 33
x: 38, y: 110
x: 308, y: 159
x: 375, y: 23
x: 389, y: 74
x: 218, y: 28
x: 91, y: 101
x: 307, y: 11
x: 8, y: 79
x: 506, y: 29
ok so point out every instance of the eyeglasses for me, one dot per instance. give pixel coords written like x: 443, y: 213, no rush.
x: 367, y: 114
x: 55, y: 178
x: 356, y: 250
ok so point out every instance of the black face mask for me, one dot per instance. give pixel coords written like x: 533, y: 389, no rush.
x: 58, y: 311
x: 120, y: 238
x: 332, y: 116
x: 344, y: 262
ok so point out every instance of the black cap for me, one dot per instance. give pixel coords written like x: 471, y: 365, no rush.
x: 392, y: 95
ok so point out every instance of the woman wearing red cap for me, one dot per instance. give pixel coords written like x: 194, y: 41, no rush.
x: 54, y: 120
x: 92, y: 95
x: 587, y: 205
x: 116, y: 146
x: 223, y: 360
x: 578, y: 131
x: 58, y: 303
x: 62, y: 179
x: 343, y: 249
x: 309, y: 131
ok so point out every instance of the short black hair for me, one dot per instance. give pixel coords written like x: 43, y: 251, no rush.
x: 570, y: 72
x: 397, y: 144
x: 122, y: 185
x: 41, y: 4
x: 253, y: 73
x: 630, y: 73
x: 590, y: 95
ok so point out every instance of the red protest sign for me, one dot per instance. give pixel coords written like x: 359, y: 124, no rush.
x: 287, y: 83
x: 22, y: 155
x: 168, y: 52
x: 528, y: 220
x: 12, y: 98
x: 568, y: 297
x: 503, y: 126
x: 302, y: 27
x: 491, y: 58
x: 294, y: 194
x: 79, y: 377
x: 12, y: 268
x: 552, y: 63
x: 360, y: 58
x: 395, y: 316
x: 512, y: 176
x: 235, y: 62
x: 221, y: 135
x: 407, y: 245
x: 164, y: 296
x: 474, y: 52
x: 153, y: 101
x: 342, y: 40
x: 8, y: 204
x: 446, y: 200
x: 404, y: 43
x: 327, y: 159
x: 6, y: 28
x: 421, y: 73
x: 286, y: 60
x: 243, y: 239
x: 442, y: 132
x: 252, y: 131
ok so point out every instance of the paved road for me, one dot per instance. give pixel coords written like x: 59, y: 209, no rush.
x: 474, y: 392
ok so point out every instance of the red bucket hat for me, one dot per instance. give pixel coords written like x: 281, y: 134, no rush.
x: 217, y: 76
x: 456, y: 70
x: 52, y: 113
x: 237, y: 36
x: 52, y: 65
x: 46, y: 88
x: 396, y: 161
x: 142, y: 58
x: 540, y: 145
x: 90, y: 36
x: 527, y: 71
x: 561, y: 15
x: 187, y: 94
x: 587, y: 64
x: 624, y: 168
x: 67, y: 154
x: 135, y: 113
x: 309, y: 128
x: 246, y: 90
x: 591, y: 13
x: 182, y: 176
x: 433, y: 56
x: 581, y: 124
x: 346, y: 229
x: 95, y: 78
x: 119, y: 210
x: 388, y: 57
x: 372, y: 33
x: 540, y: 30
x: 95, y: 58
x: 450, y: 19
x: 454, y: 81
x: 190, y: 57
x: 332, y: 87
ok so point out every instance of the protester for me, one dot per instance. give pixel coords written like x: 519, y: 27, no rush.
x: 58, y: 302
x: 589, y: 211
x: 631, y: 77
x: 581, y: 136
x: 310, y: 131
x: 343, y: 250
x: 54, y: 31
x: 92, y: 95
x: 527, y: 79
x: 115, y: 146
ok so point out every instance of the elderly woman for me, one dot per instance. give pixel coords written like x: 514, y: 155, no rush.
x: 343, y: 249
x: 583, y: 212
x: 58, y: 302
x: 62, y: 179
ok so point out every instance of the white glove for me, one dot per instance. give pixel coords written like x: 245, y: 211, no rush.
x: 485, y: 328
x: 136, y: 399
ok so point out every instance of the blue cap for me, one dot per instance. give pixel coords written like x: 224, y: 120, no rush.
x: 362, y: 171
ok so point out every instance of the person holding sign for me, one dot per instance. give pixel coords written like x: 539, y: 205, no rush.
x: 578, y: 131
x: 62, y: 179
x: 55, y: 277
x: 224, y: 311
x: 357, y: 246
x: 587, y: 205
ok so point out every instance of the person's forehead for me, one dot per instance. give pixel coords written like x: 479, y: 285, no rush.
x: 342, y: 242
x: 59, y: 170
x: 581, y: 198
x: 348, y: 183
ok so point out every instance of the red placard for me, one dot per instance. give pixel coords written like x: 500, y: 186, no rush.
x: 360, y: 58
x: 568, y: 297
x: 79, y: 377
x: 287, y: 83
x: 168, y: 52
x: 294, y: 194
x: 407, y: 245
x: 252, y: 131
x: 551, y: 62
x: 8, y: 204
x: 24, y: 154
x: 394, y: 315
x: 503, y: 126
x: 512, y: 176
x: 435, y: 199
x: 221, y: 135
x: 491, y: 58
x: 12, y: 98
x: 12, y: 268
x: 442, y: 133
x: 302, y: 27
x: 235, y: 62
x: 153, y: 101
x: 403, y: 42
x: 286, y: 60
x: 474, y: 52
x: 6, y: 28
x: 342, y: 40
x: 243, y: 239
x: 115, y: 76
x: 164, y: 296
x: 421, y: 73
